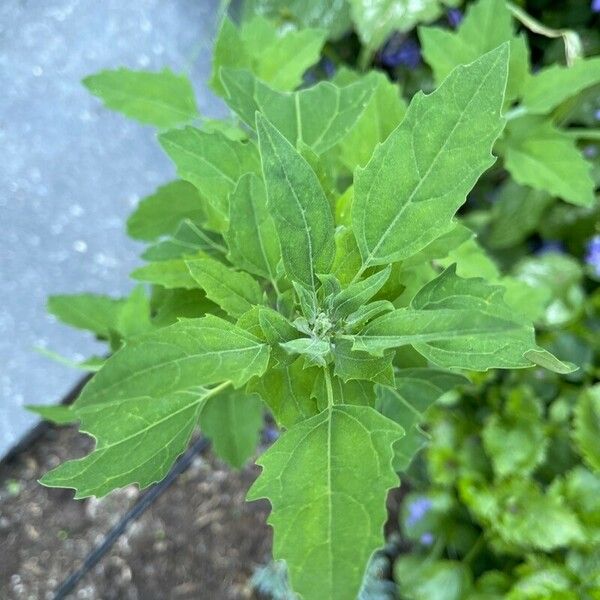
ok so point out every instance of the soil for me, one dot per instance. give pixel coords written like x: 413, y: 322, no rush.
x: 199, y: 540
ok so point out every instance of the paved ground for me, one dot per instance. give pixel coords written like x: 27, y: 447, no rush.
x: 71, y: 171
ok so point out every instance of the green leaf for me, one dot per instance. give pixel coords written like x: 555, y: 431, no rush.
x: 559, y: 278
x: 518, y: 512
x: 161, y: 213
x: 87, y: 311
x: 455, y: 323
x: 314, y: 350
x: 319, y: 116
x: 134, y: 316
x: 58, y: 414
x: 233, y: 421
x: 375, y: 20
x: 213, y: 163
x: 137, y: 442
x: 170, y: 274
x: 189, y: 239
x: 409, y: 191
x: 516, y: 441
x: 586, y: 433
x: 277, y: 55
x: 353, y: 364
x: 173, y: 305
x: 162, y: 99
x: 287, y: 391
x: 178, y: 358
x: 406, y: 403
x: 252, y: 236
x: 234, y: 291
x: 319, y: 484
x: 540, y: 156
x: 487, y: 25
x: 382, y: 114
x: 331, y: 15
x: 550, y: 87
x: 299, y: 207
x: 358, y: 294
x: 516, y: 213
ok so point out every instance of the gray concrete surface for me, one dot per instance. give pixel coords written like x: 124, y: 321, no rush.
x: 70, y: 171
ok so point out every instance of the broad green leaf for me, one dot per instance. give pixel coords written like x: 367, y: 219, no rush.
x: 540, y: 156
x: 586, y: 433
x: 559, y: 277
x: 211, y: 162
x: 408, y: 193
x: 375, y: 20
x: 276, y: 328
x: 188, y: 239
x: 516, y: 214
x: 137, y: 441
x: 332, y: 15
x: 441, y: 246
x: 347, y: 261
x: 287, y: 391
x: 58, y: 414
x: 87, y: 311
x: 277, y: 55
x: 235, y: 292
x: 296, y: 201
x: 161, y: 213
x: 456, y: 323
x: 170, y: 274
x: 163, y: 99
x: 319, y: 485
x: 518, y: 512
x: 487, y: 25
x: 515, y: 441
x: 471, y: 260
x: 318, y: 116
x: 356, y: 295
x: 406, y: 403
x: 181, y: 357
x: 233, y: 422
x: 549, y: 88
x: 314, y: 350
x: 134, y: 316
x: 176, y: 304
x: 382, y: 114
x: 252, y: 236
x: 354, y: 364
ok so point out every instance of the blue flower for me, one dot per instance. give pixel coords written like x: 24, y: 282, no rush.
x: 400, y: 51
x: 427, y: 539
x: 592, y: 258
x: 590, y: 151
x: 455, y: 17
x: 596, y: 6
x: 417, y: 510
x: 328, y: 67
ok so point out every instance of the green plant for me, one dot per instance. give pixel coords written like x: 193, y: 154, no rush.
x: 309, y: 260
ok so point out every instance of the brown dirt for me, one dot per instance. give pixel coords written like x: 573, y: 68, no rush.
x: 200, y: 540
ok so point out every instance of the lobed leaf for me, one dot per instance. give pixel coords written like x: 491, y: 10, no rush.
x: 296, y: 201
x: 163, y: 99
x: 408, y: 193
x: 318, y: 116
x: 328, y: 500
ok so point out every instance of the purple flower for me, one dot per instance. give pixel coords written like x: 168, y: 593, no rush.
x: 328, y: 67
x: 590, y: 151
x: 270, y: 434
x: 592, y: 258
x: 596, y: 6
x: 427, y: 539
x: 417, y: 510
x: 455, y: 17
x: 597, y: 113
x: 399, y: 51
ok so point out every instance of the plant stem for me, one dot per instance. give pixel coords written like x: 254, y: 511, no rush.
x: 475, y: 549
